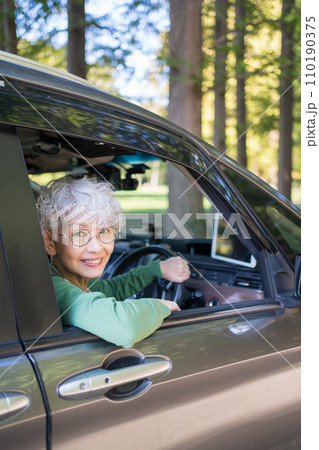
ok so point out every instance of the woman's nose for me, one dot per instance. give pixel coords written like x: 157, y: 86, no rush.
x: 94, y: 243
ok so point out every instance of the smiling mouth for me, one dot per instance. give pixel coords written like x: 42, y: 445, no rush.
x: 92, y: 262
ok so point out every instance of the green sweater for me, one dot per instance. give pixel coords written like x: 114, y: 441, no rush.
x: 102, y: 311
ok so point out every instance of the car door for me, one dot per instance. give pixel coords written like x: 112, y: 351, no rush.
x: 224, y: 389
x: 204, y: 379
x: 23, y: 407
x: 22, y: 411
x: 228, y: 388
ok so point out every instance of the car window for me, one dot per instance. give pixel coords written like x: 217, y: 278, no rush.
x: 181, y: 211
x: 162, y: 209
x: 181, y: 217
x: 283, y: 224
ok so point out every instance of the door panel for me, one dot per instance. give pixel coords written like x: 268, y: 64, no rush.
x: 25, y: 429
x: 22, y: 413
x: 223, y: 379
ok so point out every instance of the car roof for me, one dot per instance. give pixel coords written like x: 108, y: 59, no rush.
x: 33, y: 72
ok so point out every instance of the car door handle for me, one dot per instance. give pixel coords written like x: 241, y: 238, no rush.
x: 11, y: 403
x: 96, y: 382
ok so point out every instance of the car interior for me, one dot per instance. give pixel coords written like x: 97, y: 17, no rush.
x: 223, y: 270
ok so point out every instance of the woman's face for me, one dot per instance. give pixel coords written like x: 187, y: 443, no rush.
x: 79, y: 264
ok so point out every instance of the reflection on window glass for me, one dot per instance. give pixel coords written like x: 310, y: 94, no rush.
x: 288, y: 229
x: 283, y: 224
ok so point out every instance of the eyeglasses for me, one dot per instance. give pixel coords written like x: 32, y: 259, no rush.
x: 82, y: 237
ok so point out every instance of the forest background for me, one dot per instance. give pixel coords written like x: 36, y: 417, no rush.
x: 226, y: 70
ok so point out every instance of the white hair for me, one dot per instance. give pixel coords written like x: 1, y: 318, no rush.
x: 84, y: 200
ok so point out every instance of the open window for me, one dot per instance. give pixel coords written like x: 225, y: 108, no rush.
x: 164, y: 205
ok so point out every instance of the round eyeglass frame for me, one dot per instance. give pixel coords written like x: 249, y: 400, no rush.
x: 89, y: 236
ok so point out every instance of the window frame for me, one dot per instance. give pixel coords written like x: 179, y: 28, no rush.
x: 45, y: 304
x: 185, y: 317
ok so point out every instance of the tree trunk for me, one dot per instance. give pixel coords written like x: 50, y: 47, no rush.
x: 8, y: 32
x: 220, y: 74
x: 240, y: 88
x: 286, y: 102
x: 76, y: 37
x: 185, y: 72
x: 185, y: 97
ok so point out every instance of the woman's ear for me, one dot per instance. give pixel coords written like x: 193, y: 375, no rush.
x: 49, y: 243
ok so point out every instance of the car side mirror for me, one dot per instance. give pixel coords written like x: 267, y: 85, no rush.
x: 298, y: 276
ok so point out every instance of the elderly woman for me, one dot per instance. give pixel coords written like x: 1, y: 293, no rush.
x: 79, y: 221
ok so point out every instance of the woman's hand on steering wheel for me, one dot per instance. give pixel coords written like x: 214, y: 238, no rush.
x: 175, y: 269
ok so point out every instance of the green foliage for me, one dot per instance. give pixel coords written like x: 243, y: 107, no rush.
x: 102, y: 76
x: 260, y: 66
x: 43, y: 52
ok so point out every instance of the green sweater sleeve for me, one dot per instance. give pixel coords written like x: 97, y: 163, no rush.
x: 130, y: 283
x: 121, y: 322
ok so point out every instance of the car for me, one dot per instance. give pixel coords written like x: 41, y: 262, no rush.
x: 221, y: 373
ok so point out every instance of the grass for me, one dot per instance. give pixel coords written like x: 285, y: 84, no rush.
x: 144, y: 200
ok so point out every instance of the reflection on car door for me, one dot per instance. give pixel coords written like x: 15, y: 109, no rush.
x: 227, y: 387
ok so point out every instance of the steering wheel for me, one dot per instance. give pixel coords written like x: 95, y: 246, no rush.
x: 161, y: 288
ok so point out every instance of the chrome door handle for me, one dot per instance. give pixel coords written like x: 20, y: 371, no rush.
x: 96, y: 382
x: 11, y: 403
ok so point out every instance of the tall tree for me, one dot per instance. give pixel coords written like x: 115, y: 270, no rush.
x: 185, y: 43
x: 239, y: 45
x: 76, y: 37
x: 286, y: 99
x: 8, y: 31
x: 220, y: 74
